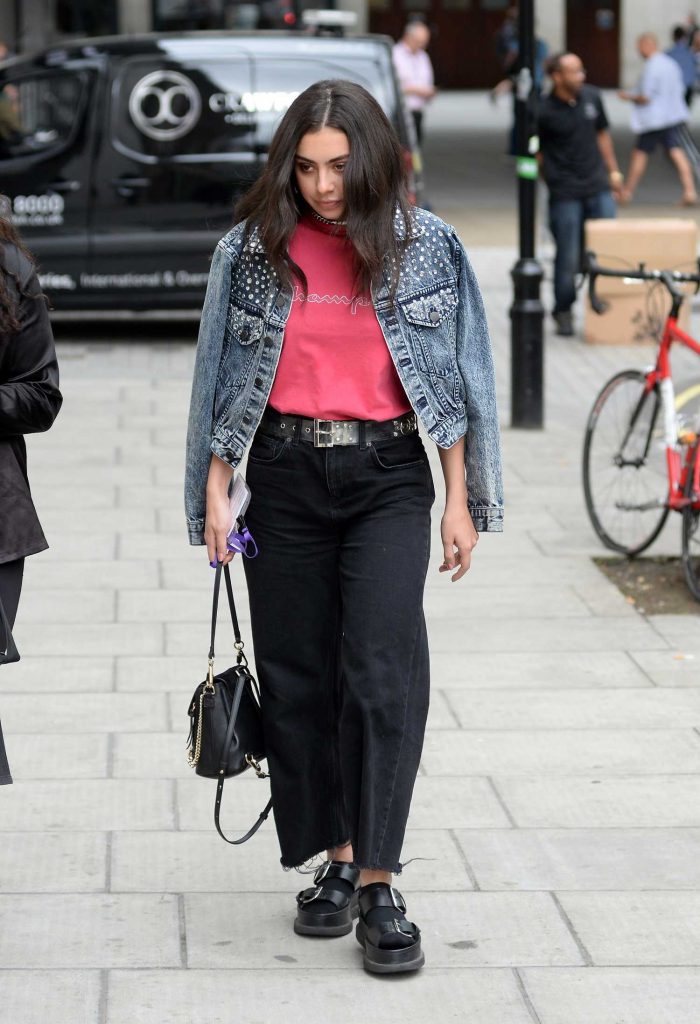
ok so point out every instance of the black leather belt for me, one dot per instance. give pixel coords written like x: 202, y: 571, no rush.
x: 328, y: 433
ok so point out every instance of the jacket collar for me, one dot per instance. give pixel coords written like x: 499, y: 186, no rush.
x: 415, y: 230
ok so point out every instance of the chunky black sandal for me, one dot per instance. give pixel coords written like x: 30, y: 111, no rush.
x: 309, y: 921
x: 390, y: 945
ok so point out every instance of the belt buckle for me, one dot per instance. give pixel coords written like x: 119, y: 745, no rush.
x: 323, y: 428
x: 408, y: 425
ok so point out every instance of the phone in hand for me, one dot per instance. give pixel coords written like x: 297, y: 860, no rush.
x: 238, y: 500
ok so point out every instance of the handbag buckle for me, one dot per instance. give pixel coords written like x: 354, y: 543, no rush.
x: 209, y: 684
x: 252, y: 763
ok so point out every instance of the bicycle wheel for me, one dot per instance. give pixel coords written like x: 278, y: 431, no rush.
x: 691, y: 535
x: 624, y: 464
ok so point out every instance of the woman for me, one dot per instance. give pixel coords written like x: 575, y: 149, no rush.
x: 29, y: 402
x: 383, y: 326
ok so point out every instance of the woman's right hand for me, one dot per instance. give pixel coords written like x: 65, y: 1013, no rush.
x: 217, y: 521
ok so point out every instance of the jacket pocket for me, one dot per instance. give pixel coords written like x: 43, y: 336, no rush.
x: 244, y: 329
x: 431, y: 317
x: 244, y: 324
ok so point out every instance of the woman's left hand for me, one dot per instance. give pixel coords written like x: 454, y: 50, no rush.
x: 457, y: 531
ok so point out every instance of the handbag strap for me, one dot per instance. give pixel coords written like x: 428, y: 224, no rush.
x: 223, y: 760
x: 251, y: 831
x: 232, y: 608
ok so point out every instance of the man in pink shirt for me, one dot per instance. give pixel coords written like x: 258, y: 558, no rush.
x: 415, y: 71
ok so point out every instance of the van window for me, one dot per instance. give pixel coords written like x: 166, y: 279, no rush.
x: 182, y: 113
x: 41, y: 114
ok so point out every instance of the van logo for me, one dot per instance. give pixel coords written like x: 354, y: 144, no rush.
x: 165, y: 105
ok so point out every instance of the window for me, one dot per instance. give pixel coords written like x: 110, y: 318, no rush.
x: 39, y: 115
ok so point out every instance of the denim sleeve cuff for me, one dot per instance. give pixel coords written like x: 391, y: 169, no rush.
x: 487, y: 519
x: 195, y: 531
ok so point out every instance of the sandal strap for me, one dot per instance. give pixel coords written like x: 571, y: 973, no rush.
x: 379, y: 894
x: 337, y: 869
x: 376, y: 931
x: 320, y: 892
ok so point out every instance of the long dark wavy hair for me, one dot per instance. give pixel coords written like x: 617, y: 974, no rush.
x: 9, y: 307
x: 374, y: 183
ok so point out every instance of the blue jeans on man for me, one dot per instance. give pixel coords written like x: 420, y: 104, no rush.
x: 566, y: 220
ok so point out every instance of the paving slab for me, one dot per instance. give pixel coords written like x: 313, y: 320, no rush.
x: 100, y: 575
x: 97, y: 712
x: 587, y: 634
x: 437, y: 803
x: 72, y: 997
x: 583, y: 858
x: 58, y: 674
x: 174, y: 606
x: 37, y: 862
x: 172, y: 862
x: 491, y: 996
x: 612, y: 995
x: 160, y: 673
x: 637, y: 928
x: 57, y: 755
x: 89, y: 931
x: 681, y: 631
x: 154, y: 755
x: 561, y: 752
x: 575, y: 709
x: 679, y: 666
x: 545, y: 670
x: 80, y: 805
x: 68, y: 606
x: 459, y: 930
x: 114, y: 519
x: 89, y: 640
x: 663, y: 801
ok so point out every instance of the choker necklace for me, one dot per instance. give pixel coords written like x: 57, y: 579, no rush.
x: 325, y: 220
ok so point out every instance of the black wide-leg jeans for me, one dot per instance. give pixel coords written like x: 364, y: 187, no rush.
x: 336, y: 600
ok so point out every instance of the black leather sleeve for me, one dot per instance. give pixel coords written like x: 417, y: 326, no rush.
x: 29, y: 394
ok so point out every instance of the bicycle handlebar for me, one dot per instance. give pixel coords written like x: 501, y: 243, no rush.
x: 669, y: 278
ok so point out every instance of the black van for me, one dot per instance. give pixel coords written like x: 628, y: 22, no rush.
x: 123, y: 156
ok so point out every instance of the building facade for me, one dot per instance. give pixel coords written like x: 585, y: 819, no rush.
x: 463, y: 48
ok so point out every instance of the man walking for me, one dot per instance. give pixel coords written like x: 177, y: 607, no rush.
x: 685, y: 59
x: 578, y: 163
x: 658, y: 111
x: 415, y: 71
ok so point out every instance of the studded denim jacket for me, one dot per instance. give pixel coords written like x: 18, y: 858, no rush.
x: 436, y: 333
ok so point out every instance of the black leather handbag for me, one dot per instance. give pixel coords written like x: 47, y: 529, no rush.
x: 226, y: 735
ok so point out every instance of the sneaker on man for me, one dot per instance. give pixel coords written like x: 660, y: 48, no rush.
x: 565, y: 323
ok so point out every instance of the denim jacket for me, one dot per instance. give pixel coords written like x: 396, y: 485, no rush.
x: 436, y: 333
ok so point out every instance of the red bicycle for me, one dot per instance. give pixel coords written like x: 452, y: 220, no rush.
x: 638, y: 464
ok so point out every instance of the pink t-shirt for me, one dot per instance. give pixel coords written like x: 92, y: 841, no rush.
x: 335, y: 364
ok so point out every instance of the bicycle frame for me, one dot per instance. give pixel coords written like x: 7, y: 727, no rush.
x: 660, y: 376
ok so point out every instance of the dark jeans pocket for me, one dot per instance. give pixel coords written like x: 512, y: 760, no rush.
x: 399, y: 453
x: 266, y: 449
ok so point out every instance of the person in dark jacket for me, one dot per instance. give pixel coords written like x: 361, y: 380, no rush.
x: 29, y: 402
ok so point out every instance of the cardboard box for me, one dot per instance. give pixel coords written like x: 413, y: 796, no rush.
x: 636, y: 309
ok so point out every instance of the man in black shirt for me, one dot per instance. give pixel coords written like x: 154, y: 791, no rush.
x: 578, y: 163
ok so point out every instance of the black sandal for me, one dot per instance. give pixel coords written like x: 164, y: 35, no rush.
x: 310, y: 921
x: 385, y: 955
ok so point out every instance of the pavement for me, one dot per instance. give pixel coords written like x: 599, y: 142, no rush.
x: 554, y: 837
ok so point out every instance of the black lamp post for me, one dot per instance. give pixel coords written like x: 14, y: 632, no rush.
x: 527, y: 312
